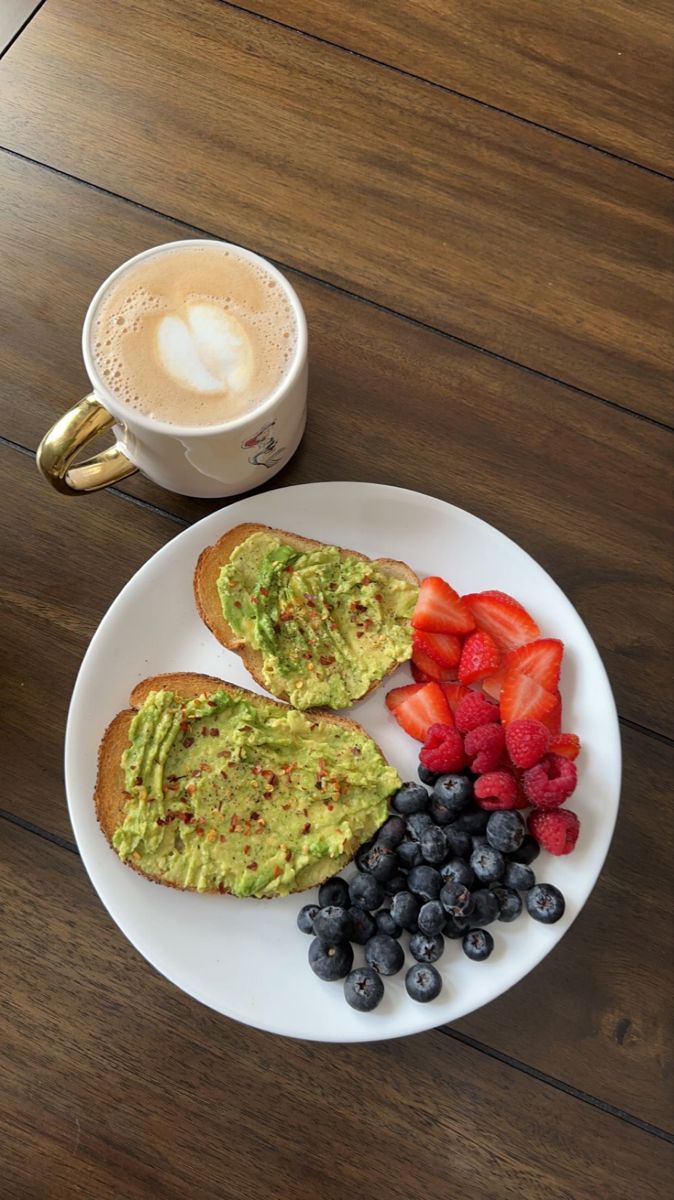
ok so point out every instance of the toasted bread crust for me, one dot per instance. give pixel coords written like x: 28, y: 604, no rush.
x: 109, y: 794
x: 213, y: 558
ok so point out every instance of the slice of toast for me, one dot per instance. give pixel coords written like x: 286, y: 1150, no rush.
x: 110, y: 796
x: 208, y: 568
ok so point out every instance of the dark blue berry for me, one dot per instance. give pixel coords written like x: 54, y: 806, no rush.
x: 510, y: 905
x: 382, y: 862
x: 405, y: 911
x: 545, y: 903
x: 363, y: 989
x: 385, y: 923
x: 360, y: 857
x: 392, y: 832
x: 305, y: 918
x: 487, y: 864
x: 452, y: 793
x: 433, y: 845
x: 366, y: 891
x: 423, y: 982
x: 409, y: 854
x: 505, y: 831
x: 397, y: 883
x: 527, y: 852
x: 333, y: 924
x: 456, y: 900
x: 478, y: 944
x: 425, y: 882
x: 472, y: 820
x: 334, y: 891
x: 330, y: 962
x: 477, y: 841
x: 431, y: 917
x: 486, y: 908
x: 385, y: 954
x: 457, y: 871
x: 518, y: 876
x: 410, y: 798
x: 417, y: 824
x: 427, y: 947
x: 426, y: 775
x: 459, y: 842
x: 363, y: 925
x: 455, y: 927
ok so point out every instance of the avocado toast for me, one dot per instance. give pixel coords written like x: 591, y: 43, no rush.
x: 208, y: 787
x: 314, y: 624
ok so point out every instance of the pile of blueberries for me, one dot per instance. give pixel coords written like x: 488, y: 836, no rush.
x: 439, y: 867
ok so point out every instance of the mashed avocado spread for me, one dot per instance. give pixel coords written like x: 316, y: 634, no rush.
x: 246, y: 797
x: 327, y: 626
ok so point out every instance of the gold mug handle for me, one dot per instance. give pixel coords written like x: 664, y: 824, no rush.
x: 64, y: 441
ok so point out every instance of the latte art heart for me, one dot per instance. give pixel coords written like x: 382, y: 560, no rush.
x: 205, y: 350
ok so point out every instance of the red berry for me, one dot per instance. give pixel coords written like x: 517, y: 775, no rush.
x: 492, y: 684
x: 454, y: 693
x: 430, y: 667
x: 550, y: 782
x: 444, y: 648
x: 474, y: 710
x: 496, y: 790
x: 484, y: 746
x: 557, y: 832
x: 553, y: 718
x: 522, y: 697
x: 443, y: 749
x: 440, y: 609
x: 541, y: 659
x: 527, y: 741
x: 418, y: 675
x: 423, y: 705
x: 566, y: 744
x: 504, y: 618
x: 479, y: 657
x: 397, y: 695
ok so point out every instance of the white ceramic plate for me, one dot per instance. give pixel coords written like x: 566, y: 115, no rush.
x: 247, y: 959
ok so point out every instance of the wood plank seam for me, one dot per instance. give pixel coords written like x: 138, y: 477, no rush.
x: 20, y: 30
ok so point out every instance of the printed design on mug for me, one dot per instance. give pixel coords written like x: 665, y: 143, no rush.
x: 267, y: 452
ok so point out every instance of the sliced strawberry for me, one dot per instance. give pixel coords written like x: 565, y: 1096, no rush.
x: 493, y: 683
x: 396, y: 696
x: 479, y: 657
x: 444, y: 648
x: 541, y: 659
x: 504, y: 618
x: 522, y: 697
x: 418, y: 675
x: 454, y: 694
x: 429, y: 667
x: 418, y: 711
x: 566, y: 744
x: 440, y: 609
x: 553, y: 718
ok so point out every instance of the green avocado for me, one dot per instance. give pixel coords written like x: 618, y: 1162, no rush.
x: 327, y: 626
x: 245, y: 796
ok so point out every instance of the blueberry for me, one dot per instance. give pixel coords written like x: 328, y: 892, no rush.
x: 455, y: 927
x: 330, y: 962
x: 518, y: 876
x: 363, y: 925
x: 334, y: 891
x: 410, y: 798
x: 487, y: 864
x: 427, y: 947
x: 385, y: 954
x: 431, y: 917
x: 417, y: 824
x: 409, y: 854
x: 456, y: 900
x: 457, y: 871
x: 472, y: 820
x: 426, y: 775
x: 366, y: 891
x: 382, y: 862
x: 333, y: 924
x: 451, y: 793
x: 425, y: 882
x: 385, y: 923
x: 527, y: 852
x: 405, y: 911
x: 433, y: 845
x: 392, y: 832
x: 545, y: 903
x: 397, y: 883
x: 360, y: 857
x: 510, y: 905
x: 458, y: 841
x: 478, y: 840
x: 505, y: 831
x: 363, y: 989
x: 423, y: 982
x: 478, y: 944
x: 486, y: 908
x: 305, y: 918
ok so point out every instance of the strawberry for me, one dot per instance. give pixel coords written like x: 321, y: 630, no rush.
x: 566, y: 744
x: 493, y: 683
x: 522, y: 697
x: 504, y: 618
x: 553, y: 718
x: 396, y: 696
x: 454, y: 694
x: 541, y: 659
x: 445, y: 648
x: 420, y: 676
x: 417, y: 711
x: 430, y: 668
x: 479, y: 657
x: 440, y: 609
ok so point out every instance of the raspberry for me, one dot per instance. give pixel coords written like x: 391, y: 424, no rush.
x: 557, y: 832
x: 474, y: 710
x: 550, y: 782
x: 443, y: 750
x: 527, y: 741
x: 484, y: 746
x: 496, y: 789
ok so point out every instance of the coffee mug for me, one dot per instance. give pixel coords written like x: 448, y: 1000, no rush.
x: 207, y: 460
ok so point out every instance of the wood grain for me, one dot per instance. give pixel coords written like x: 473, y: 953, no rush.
x: 14, y: 14
x: 535, y: 248
x: 389, y: 402
x: 601, y: 72
x: 141, y: 1089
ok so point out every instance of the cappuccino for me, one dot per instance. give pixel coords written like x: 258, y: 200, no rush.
x: 194, y: 335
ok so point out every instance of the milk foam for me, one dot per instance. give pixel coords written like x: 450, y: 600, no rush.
x: 196, y: 335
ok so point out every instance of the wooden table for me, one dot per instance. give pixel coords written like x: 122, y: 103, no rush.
x: 473, y: 202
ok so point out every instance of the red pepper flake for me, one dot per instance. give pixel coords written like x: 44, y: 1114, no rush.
x: 270, y: 777
x: 255, y: 816
x: 212, y: 703
x: 307, y: 827
x: 184, y: 725
x: 188, y: 818
x: 277, y: 871
x: 359, y: 635
x: 233, y: 824
x: 289, y: 854
x: 246, y: 849
x: 326, y: 660
x: 330, y: 807
x: 333, y: 587
x: 187, y: 742
x: 256, y: 770
x: 286, y: 616
x: 378, y: 597
x: 237, y: 604
x: 245, y: 729
x: 263, y: 592
x: 252, y: 866
x: 307, y: 654
x: 221, y: 888
x: 333, y: 624
x: 285, y: 807
x: 319, y: 784
x: 222, y: 837
x: 305, y: 811
x: 366, y: 579
x: 215, y: 732
x: 253, y: 599
x: 204, y: 730
x: 200, y: 831
x: 139, y: 780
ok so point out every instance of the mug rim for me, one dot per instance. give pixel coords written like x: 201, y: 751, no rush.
x: 131, y: 417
